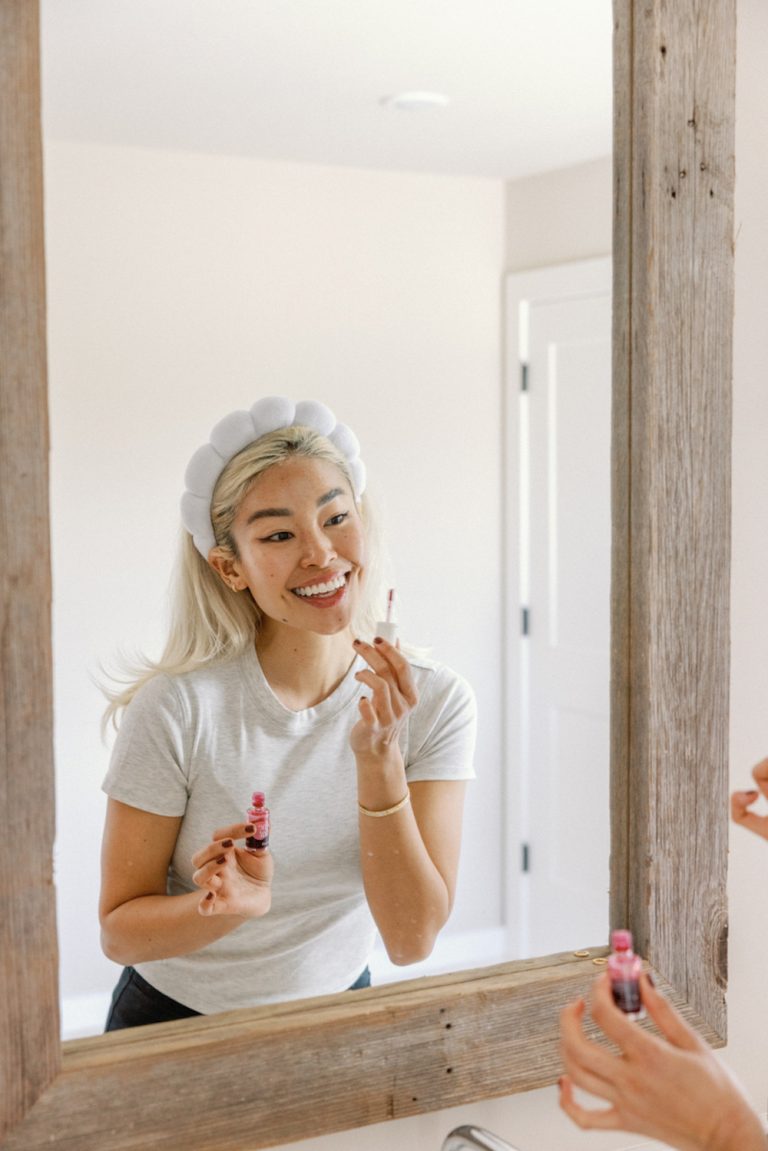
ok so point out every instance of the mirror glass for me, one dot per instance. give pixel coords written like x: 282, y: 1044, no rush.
x: 240, y: 203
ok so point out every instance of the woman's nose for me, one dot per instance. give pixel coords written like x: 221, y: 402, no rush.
x: 318, y: 550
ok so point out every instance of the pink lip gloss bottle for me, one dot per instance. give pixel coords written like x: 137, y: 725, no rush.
x: 624, y: 968
x: 258, y: 815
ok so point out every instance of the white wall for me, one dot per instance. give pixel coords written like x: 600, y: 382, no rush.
x: 181, y: 287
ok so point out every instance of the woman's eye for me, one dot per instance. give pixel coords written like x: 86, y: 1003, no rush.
x: 276, y: 537
x: 334, y: 521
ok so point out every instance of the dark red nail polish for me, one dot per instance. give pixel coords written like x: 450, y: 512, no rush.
x: 222, y: 859
x: 226, y: 843
x: 209, y: 896
x: 378, y: 639
x: 248, y: 828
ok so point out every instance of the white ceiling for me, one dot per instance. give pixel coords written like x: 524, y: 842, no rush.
x: 529, y: 81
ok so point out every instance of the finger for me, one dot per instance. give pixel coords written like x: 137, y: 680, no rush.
x: 202, y: 877
x: 591, y: 1066
x: 207, y: 904
x: 234, y: 831
x: 741, y: 801
x: 760, y: 775
x: 388, y: 661
x: 380, y: 698
x: 752, y: 822
x: 605, y: 1118
x: 211, y: 851
x: 668, y: 1020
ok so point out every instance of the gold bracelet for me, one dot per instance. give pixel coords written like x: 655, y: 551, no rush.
x: 388, y: 811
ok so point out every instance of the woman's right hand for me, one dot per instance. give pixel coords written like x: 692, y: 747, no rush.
x: 235, y: 880
x: 672, y: 1088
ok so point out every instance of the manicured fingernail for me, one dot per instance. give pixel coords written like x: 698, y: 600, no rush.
x: 650, y: 978
x: 222, y: 859
x: 378, y: 639
x: 209, y: 896
x: 249, y: 829
x: 355, y: 643
x: 226, y: 843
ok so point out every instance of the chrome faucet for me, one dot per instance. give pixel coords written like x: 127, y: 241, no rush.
x: 471, y: 1138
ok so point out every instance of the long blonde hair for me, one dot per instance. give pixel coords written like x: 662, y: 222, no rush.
x: 210, y: 622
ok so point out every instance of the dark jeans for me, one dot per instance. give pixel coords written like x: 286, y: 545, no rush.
x: 136, y: 1002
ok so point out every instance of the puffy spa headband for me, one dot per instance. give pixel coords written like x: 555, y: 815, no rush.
x: 239, y: 429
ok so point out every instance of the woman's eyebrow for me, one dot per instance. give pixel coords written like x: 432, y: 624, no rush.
x: 331, y: 495
x: 266, y: 513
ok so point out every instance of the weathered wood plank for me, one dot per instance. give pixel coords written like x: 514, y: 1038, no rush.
x: 261, y: 1078
x: 674, y: 263
x: 29, y: 1038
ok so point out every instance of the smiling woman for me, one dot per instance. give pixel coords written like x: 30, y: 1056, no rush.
x: 266, y: 680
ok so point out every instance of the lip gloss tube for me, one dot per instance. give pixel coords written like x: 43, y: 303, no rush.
x: 258, y: 815
x: 624, y: 968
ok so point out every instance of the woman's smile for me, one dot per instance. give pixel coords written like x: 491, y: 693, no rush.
x: 325, y: 593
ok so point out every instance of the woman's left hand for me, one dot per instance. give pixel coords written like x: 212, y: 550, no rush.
x: 393, y: 696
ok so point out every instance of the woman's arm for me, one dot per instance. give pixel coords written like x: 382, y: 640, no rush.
x: 139, y: 920
x: 410, y: 858
x: 410, y: 861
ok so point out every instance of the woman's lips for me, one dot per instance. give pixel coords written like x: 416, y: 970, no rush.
x: 324, y: 593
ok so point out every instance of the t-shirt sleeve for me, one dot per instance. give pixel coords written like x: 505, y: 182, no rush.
x: 443, y: 729
x: 148, y: 767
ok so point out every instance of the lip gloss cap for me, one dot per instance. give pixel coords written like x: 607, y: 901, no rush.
x: 258, y: 799
x: 621, y: 940
x: 387, y: 629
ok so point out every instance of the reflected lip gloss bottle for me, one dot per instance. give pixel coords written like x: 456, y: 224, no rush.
x: 258, y: 815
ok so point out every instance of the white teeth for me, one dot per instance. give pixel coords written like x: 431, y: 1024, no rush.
x: 321, y: 588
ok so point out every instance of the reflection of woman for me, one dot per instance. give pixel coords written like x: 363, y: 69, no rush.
x: 671, y: 1088
x: 267, y: 683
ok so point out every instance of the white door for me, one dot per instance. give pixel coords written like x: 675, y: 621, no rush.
x: 559, y: 405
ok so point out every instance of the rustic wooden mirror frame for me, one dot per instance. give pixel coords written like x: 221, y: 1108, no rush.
x: 344, y: 1061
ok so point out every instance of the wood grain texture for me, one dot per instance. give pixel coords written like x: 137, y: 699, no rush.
x: 28, y: 959
x: 673, y: 247
x: 255, y: 1079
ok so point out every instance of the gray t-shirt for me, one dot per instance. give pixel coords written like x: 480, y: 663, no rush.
x: 197, y: 745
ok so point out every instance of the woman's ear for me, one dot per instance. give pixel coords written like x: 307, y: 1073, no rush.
x: 226, y: 567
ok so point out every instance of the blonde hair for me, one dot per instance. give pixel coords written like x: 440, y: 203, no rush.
x: 210, y: 622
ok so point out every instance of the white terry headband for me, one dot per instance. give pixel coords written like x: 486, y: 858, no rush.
x: 239, y: 429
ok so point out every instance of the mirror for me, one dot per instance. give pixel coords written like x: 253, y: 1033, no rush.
x: 453, y: 1039
x: 321, y: 246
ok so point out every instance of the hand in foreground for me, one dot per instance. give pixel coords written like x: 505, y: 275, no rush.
x: 393, y: 696
x: 741, y: 801
x: 235, y: 880
x: 672, y: 1089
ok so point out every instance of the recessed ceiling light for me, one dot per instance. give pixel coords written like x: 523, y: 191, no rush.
x: 415, y: 101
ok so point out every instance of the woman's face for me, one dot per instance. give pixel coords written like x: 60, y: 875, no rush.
x: 301, y: 546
